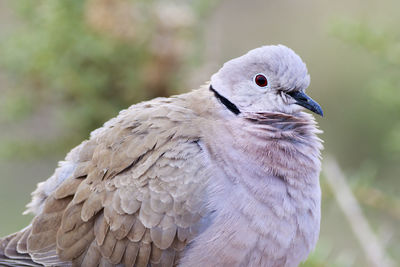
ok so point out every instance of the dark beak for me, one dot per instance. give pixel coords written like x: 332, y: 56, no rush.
x: 305, y: 101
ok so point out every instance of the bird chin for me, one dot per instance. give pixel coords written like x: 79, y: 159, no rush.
x: 268, y: 113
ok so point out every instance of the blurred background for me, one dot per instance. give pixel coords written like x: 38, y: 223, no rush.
x: 68, y: 66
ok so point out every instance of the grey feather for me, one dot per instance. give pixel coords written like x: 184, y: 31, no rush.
x: 226, y: 175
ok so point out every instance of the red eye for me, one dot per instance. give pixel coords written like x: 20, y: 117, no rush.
x: 261, y: 80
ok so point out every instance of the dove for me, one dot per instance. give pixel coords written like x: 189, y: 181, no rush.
x: 225, y: 175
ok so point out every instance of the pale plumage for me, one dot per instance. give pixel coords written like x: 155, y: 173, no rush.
x: 220, y: 177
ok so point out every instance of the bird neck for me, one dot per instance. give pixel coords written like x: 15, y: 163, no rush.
x: 282, y: 145
x: 224, y: 101
x: 286, y: 144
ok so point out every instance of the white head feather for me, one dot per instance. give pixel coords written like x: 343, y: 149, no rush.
x: 284, y: 70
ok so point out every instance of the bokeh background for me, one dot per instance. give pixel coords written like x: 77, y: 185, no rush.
x: 68, y: 66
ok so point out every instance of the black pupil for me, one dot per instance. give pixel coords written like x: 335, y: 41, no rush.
x: 261, y: 80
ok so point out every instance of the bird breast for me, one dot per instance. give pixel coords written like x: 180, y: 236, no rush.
x: 266, y: 194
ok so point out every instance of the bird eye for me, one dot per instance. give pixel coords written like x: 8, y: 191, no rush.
x: 261, y: 80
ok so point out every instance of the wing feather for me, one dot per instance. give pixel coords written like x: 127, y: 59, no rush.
x: 133, y: 197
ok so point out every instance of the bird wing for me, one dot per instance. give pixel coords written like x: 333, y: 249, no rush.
x: 135, y: 195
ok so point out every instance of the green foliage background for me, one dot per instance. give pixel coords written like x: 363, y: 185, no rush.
x: 383, y: 45
x: 61, y: 77
x: 80, y: 74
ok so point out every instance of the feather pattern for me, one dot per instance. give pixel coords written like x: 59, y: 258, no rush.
x: 120, y: 197
x: 185, y: 181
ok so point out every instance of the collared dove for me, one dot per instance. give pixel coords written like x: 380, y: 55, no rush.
x: 226, y: 175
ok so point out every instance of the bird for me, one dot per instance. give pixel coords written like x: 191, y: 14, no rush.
x: 223, y: 175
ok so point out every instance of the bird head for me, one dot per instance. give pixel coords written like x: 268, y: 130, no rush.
x: 266, y: 79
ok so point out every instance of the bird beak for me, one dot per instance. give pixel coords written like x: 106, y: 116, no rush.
x: 305, y: 101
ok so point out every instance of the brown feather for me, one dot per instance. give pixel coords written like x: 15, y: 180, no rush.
x: 53, y: 204
x: 105, y: 263
x: 124, y: 227
x: 137, y: 231
x: 119, y: 251
x: 86, y: 151
x: 163, y: 238
x: 168, y: 258
x: 93, y: 256
x: 155, y: 256
x: 91, y: 206
x: 42, y: 240
x: 66, y: 240
x: 108, y: 246
x: 45, y: 222
x: 100, y: 229
x: 131, y: 252
x: 82, y: 170
x: 82, y: 193
x: 77, y: 244
x: 11, y: 248
x: 71, y: 217
x: 144, y: 255
x: 23, y: 241
x: 67, y: 188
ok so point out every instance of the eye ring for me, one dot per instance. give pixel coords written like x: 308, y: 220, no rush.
x: 261, y: 80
